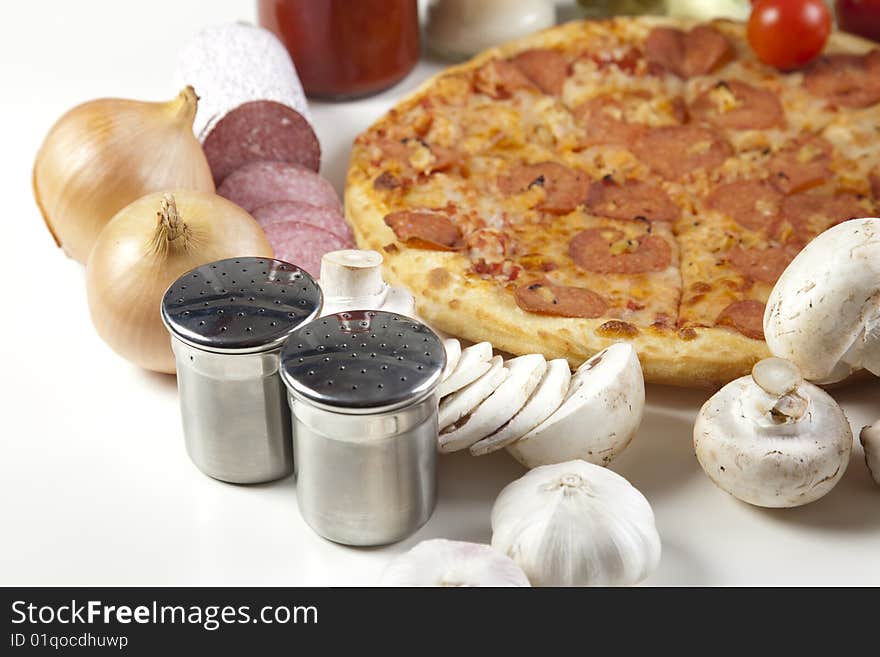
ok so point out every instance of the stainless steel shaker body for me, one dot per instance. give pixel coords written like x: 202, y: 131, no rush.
x: 362, y: 387
x: 228, y: 320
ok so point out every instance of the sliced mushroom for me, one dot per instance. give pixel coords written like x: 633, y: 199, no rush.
x: 453, y: 354
x: 463, y: 402
x: 524, y: 374
x: 772, y: 439
x: 824, y: 311
x: 546, y: 398
x: 473, y: 363
x: 597, y: 419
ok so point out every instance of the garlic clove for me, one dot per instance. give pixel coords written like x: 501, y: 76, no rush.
x: 546, y: 398
x: 599, y: 416
x: 576, y: 524
x: 463, y: 402
x: 870, y: 439
x: 772, y: 450
x: 474, y: 362
x: 439, y: 562
x: 524, y: 374
x: 453, y: 354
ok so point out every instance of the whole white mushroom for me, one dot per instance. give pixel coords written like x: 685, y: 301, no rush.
x: 772, y: 439
x: 824, y: 311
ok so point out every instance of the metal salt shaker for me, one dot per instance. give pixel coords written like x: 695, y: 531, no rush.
x: 362, y: 387
x: 228, y: 320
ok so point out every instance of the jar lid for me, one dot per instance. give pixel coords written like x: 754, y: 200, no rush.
x: 362, y: 361
x: 240, y: 305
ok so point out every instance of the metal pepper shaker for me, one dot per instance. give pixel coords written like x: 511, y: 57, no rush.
x: 362, y: 387
x: 228, y: 320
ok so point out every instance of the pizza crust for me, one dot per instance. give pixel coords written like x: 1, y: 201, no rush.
x: 477, y: 309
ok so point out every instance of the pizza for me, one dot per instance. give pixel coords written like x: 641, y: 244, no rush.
x: 641, y: 179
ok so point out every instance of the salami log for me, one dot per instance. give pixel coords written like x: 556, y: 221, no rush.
x: 303, y: 244
x: 260, y: 183
x: 229, y: 65
x: 328, y: 219
x: 251, y: 102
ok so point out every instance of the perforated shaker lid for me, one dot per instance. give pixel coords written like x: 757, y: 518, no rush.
x: 362, y: 361
x: 240, y: 305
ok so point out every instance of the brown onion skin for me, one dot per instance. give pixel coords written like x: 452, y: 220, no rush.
x: 102, y: 155
x: 133, y: 262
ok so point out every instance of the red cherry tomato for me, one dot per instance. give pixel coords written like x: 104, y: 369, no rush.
x: 859, y: 17
x: 788, y: 33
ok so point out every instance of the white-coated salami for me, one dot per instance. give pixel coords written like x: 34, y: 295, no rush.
x: 229, y: 65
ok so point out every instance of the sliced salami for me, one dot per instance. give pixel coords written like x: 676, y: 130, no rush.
x: 687, y: 54
x: 746, y: 317
x: 303, y: 244
x: 328, y: 219
x: 764, y: 265
x: 425, y: 229
x: 608, y: 251
x: 811, y: 213
x: 753, y: 204
x: 230, y: 65
x: 602, y: 121
x: 260, y: 131
x: 631, y: 200
x: 499, y: 78
x: 674, y: 151
x: 259, y: 183
x: 547, y: 69
x: 846, y: 80
x: 801, y: 164
x: 565, y: 188
x: 546, y: 298
x: 737, y: 105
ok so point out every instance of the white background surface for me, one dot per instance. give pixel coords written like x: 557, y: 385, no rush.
x: 95, y: 485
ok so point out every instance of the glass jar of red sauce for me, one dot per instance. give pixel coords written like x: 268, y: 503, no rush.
x: 860, y: 17
x: 346, y: 48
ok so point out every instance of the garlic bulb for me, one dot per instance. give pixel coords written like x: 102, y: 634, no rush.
x: 576, y: 524
x: 102, y: 155
x: 440, y: 562
x: 144, y: 249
